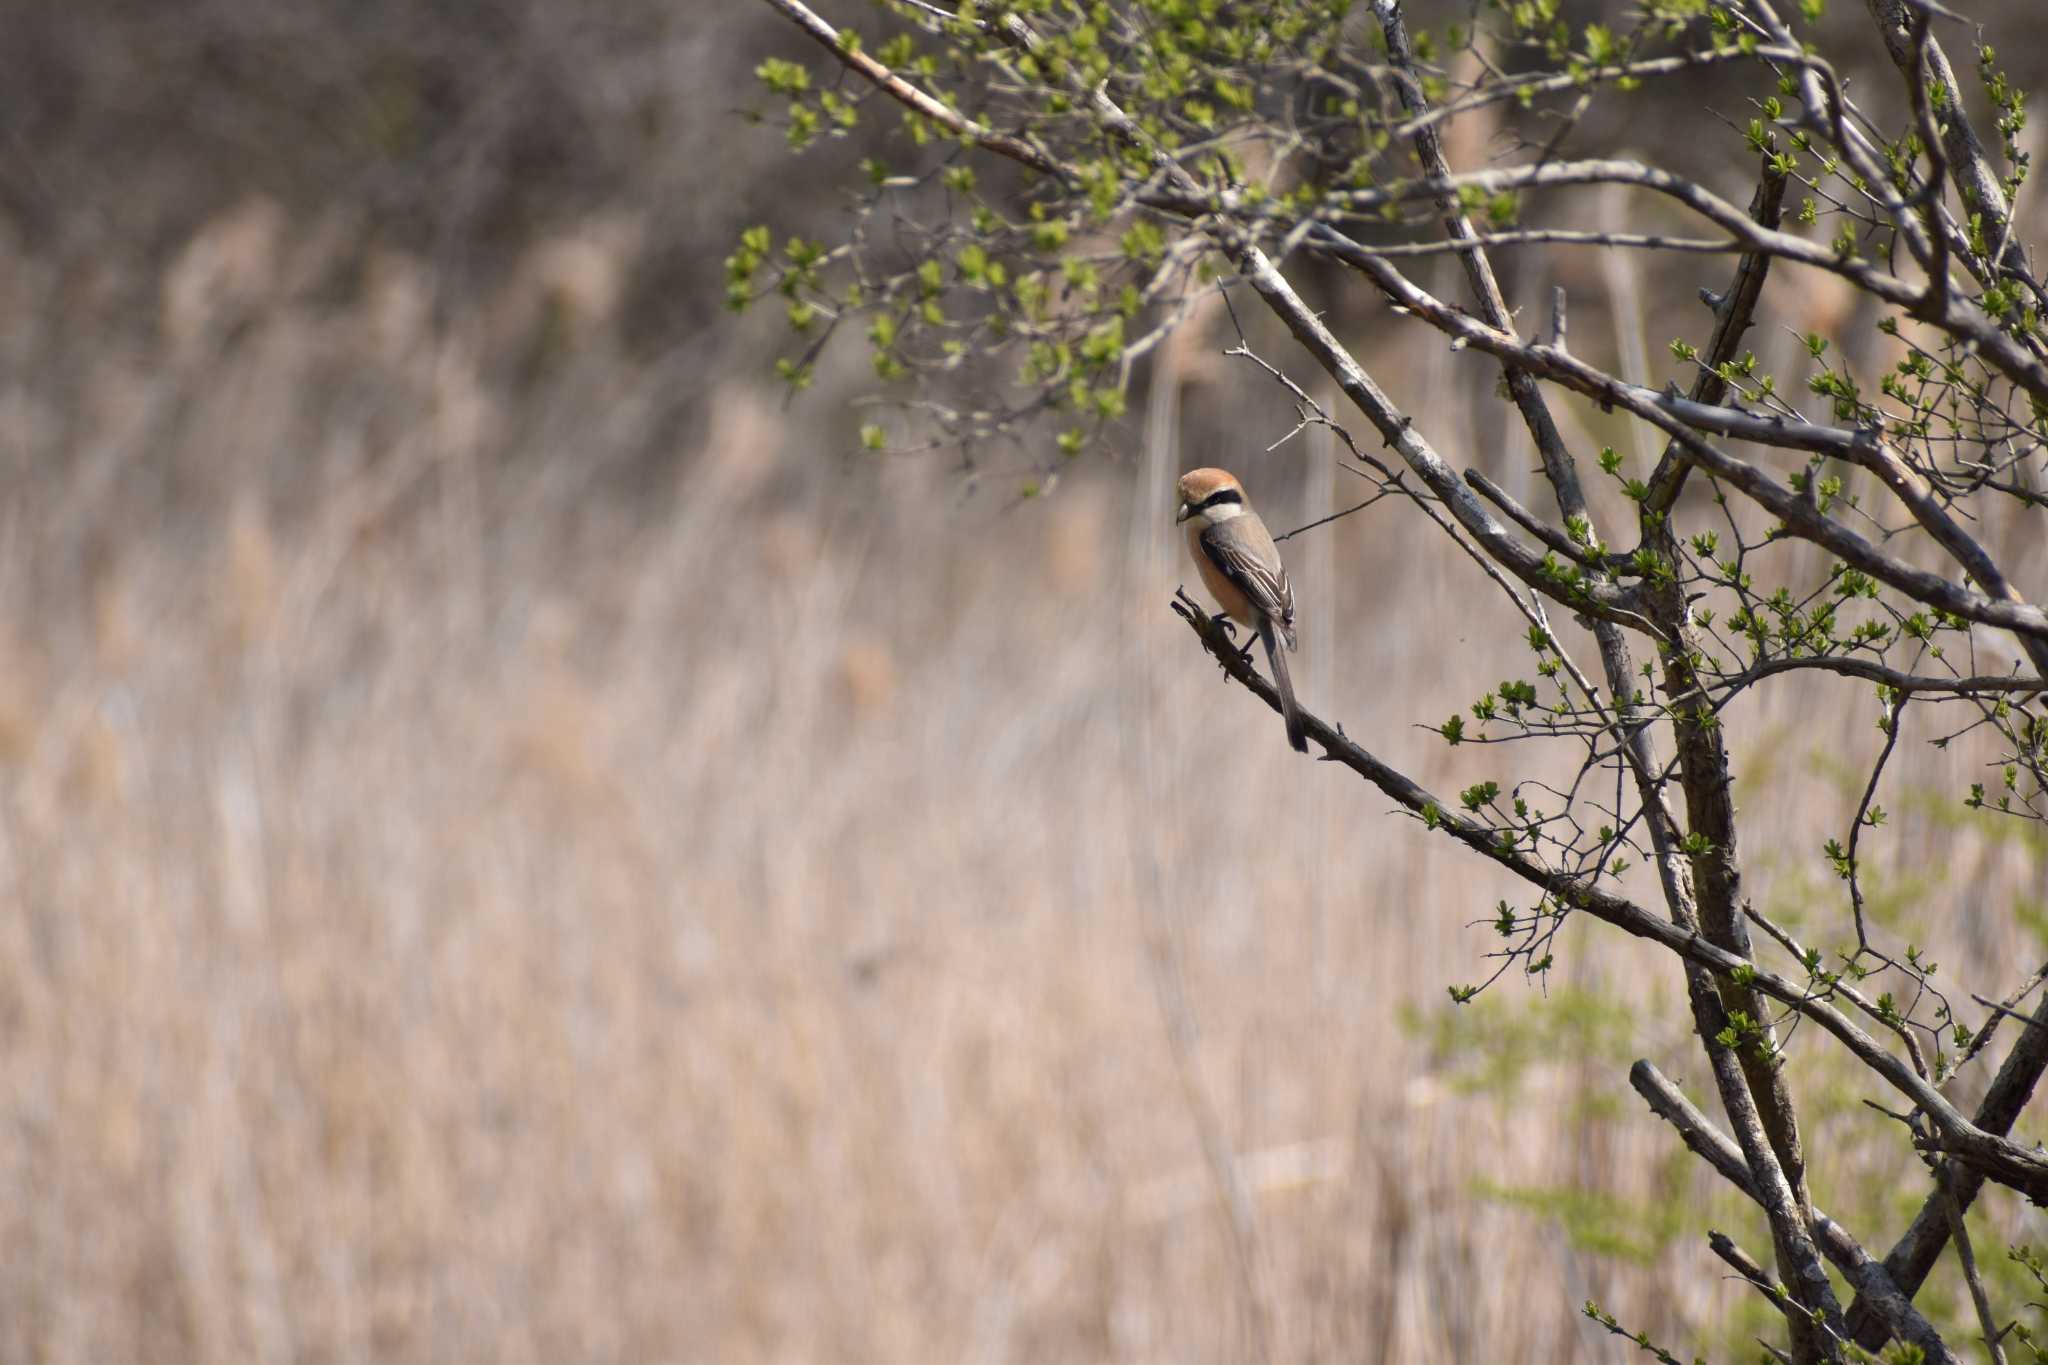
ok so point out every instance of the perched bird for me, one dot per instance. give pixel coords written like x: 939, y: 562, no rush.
x: 1240, y: 566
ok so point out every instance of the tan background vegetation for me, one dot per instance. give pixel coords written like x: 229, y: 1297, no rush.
x: 519, y: 845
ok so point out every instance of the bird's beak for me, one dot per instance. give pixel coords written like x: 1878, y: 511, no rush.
x: 1182, y: 515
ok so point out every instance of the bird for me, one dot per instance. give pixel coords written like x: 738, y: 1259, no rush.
x: 1241, y: 568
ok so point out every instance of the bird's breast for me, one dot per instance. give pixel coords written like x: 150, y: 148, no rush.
x: 1229, y: 598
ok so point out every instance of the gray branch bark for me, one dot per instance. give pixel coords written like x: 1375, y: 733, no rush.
x: 1873, y: 1284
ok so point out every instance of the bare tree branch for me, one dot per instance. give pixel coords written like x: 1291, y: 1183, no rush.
x: 912, y: 97
x: 1959, y: 317
x: 2021, y: 1168
x: 1909, y: 683
x: 1913, y: 1257
x: 1752, y: 1088
x: 1866, y: 1275
x: 1679, y: 418
x: 1919, y: 57
x: 1966, y: 1257
x: 1732, y: 316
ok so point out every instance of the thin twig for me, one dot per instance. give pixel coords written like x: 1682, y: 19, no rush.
x: 1966, y: 1257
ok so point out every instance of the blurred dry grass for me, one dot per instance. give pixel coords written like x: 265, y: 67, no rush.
x: 509, y: 863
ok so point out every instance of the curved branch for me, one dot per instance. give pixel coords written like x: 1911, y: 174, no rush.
x: 1891, y: 677
x: 1581, y: 593
x: 1864, y: 1273
x: 1914, y: 1256
x: 1995, y: 1157
x: 915, y: 99
x: 1531, y: 85
x: 1938, y: 308
x: 1641, y: 241
x: 1679, y: 417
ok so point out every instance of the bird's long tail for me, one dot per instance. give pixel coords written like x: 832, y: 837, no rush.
x: 1289, y: 712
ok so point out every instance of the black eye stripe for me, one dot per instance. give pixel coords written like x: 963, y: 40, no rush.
x: 1223, y: 495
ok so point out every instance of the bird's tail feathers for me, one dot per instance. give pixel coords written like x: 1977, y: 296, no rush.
x: 1289, y: 711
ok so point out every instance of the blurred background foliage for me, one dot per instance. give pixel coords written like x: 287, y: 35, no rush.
x: 521, y: 843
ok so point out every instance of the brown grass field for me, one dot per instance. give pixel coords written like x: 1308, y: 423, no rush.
x: 494, y: 872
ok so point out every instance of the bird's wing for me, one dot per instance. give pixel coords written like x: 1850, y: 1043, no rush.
x: 1244, y: 553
